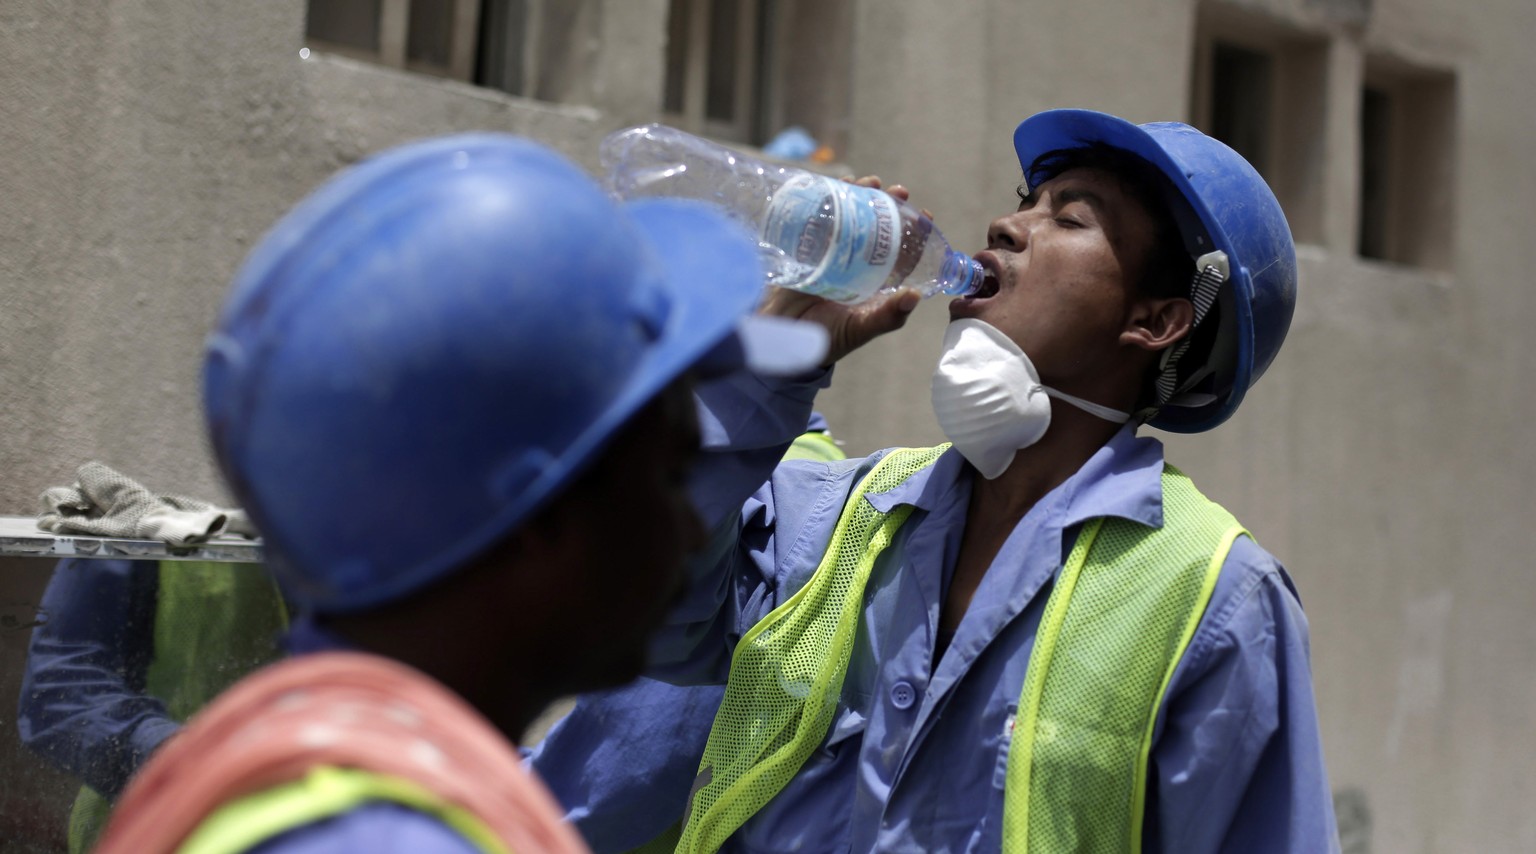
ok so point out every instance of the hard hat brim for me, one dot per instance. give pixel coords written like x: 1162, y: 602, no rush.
x: 713, y: 275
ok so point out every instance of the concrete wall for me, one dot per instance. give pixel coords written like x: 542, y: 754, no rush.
x: 147, y: 145
x: 1384, y: 458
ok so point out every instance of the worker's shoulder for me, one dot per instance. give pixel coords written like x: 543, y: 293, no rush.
x: 821, y: 474
x: 1253, y: 593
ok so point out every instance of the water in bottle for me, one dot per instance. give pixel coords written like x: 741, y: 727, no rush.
x: 817, y: 234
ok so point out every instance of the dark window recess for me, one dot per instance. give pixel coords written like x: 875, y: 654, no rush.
x: 430, y: 37
x: 1375, y: 172
x: 720, y: 98
x: 1242, y: 83
x: 352, y: 23
x: 677, y: 56
x: 499, y: 60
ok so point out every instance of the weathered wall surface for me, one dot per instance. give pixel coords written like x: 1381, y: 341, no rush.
x: 146, y: 147
x: 1385, y: 458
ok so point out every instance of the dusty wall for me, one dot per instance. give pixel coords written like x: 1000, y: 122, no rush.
x: 145, y: 149
x: 147, y: 143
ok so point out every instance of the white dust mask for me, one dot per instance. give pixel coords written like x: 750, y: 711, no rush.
x: 989, y: 400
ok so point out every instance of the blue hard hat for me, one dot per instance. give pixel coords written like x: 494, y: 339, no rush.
x: 430, y: 346
x: 1230, y: 209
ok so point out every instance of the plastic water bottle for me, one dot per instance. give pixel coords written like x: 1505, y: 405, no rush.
x: 818, y: 234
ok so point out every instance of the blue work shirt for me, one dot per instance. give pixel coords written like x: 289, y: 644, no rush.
x: 83, y: 704
x: 916, y: 757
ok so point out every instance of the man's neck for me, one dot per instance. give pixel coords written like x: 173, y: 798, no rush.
x: 997, y: 505
x: 1073, y: 438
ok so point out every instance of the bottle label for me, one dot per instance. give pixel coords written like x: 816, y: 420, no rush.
x: 844, y: 238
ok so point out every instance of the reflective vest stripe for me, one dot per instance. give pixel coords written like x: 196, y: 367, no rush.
x: 214, y: 623
x: 787, y: 671
x: 326, y: 792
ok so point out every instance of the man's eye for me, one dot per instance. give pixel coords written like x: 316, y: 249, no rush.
x: 1068, y: 222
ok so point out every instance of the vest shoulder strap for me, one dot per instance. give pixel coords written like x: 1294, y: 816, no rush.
x: 1117, y: 622
x: 787, y: 671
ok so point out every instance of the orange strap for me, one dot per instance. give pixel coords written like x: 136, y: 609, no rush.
x: 341, y: 709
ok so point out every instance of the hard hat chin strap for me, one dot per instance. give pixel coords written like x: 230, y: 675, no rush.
x: 1211, y: 271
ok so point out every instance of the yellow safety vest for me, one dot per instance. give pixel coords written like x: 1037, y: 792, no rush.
x: 815, y: 445
x: 1115, y: 626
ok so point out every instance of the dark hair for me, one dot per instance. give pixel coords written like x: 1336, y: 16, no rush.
x: 1169, y: 269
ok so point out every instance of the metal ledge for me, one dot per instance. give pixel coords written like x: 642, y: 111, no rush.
x: 20, y: 537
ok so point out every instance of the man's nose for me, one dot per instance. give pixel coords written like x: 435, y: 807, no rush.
x: 1010, y: 232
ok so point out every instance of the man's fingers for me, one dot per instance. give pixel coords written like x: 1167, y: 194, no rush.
x: 786, y: 302
x: 887, y: 315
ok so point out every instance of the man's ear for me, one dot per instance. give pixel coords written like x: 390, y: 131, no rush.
x: 1155, y: 324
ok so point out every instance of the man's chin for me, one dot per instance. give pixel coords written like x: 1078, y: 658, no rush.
x: 963, y: 307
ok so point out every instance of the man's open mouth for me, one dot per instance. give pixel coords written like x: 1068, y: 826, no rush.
x: 989, y: 287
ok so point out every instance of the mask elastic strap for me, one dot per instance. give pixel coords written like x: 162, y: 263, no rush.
x: 1212, y: 270
x: 1112, y: 415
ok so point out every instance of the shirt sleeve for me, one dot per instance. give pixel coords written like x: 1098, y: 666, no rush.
x: 382, y: 828
x: 82, y: 704
x: 622, y: 762
x: 1238, y: 764
x: 747, y: 423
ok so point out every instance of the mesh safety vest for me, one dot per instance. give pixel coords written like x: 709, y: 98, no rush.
x: 1118, y: 619
x: 214, y: 623
x: 815, y: 445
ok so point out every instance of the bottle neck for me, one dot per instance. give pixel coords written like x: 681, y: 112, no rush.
x: 961, y: 275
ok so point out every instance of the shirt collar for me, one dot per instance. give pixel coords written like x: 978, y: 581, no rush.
x: 1123, y: 479
x: 926, y: 488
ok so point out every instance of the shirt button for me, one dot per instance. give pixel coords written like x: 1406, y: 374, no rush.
x: 903, y: 695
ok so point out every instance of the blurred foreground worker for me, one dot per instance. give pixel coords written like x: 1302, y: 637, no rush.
x: 588, y: 756
x: 1043, y: 637
x: 431, y: 384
